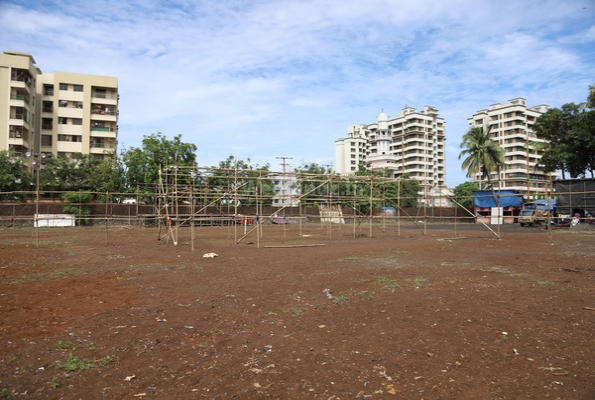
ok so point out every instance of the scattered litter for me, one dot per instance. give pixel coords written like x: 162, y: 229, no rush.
x: 129, y: 378
x: 188, y: 327
x: 210, y: 255
x: 328, y: 294
x: 257, y: 385
x: 160, y: 320
x: 516, y: 353
x: 322, y: 326
x: 390, y: 389
x: 140, y: 395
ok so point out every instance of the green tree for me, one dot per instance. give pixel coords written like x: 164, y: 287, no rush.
x: 570, y: 131
x: 464, y: 194
x: 386, y: 190
x: 142, y: 165
x: 591, y: 98
x: 76, y: 204
x: 234, y: 178
x: 72, y: 173
x: 107, y: 176
x: 13, y: 176
x: 314, y: 184
x: 482, y: 155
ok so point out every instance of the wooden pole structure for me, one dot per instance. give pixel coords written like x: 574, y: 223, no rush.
x: 371, y: 204
x: 106, y: 220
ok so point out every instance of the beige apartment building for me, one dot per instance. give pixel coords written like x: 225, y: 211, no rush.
x: 409, y: 143
x: 511, y: 125
x: 55, y: 114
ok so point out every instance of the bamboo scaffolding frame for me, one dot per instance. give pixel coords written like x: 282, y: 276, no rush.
x: 190, y: 196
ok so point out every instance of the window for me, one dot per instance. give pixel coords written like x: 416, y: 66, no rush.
x: 46, y: 140
x: 48, y: 90
x: 63, y: 103
x: 78, y: 88
x: 101, y: 93
x: 62, y: 120
x: 77, y: 121
x: 48, y: 106
x: 77, y: 104
x: 63, y: 86
x: 47, y: 123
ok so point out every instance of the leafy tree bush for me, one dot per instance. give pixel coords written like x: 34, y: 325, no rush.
x: 77, y: 205
x: 13, y: 176
x: 464, y: 194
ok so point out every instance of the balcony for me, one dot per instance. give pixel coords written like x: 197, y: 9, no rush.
x: 19, y: 97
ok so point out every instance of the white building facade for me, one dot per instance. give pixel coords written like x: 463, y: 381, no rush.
x: 410, y: 143
x: 55, y: 114
x: 511, y: 124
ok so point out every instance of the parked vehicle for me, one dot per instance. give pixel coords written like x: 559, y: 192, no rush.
x: 531, y: 217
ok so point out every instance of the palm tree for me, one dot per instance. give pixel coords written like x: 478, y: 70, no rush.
x: 482, y: 154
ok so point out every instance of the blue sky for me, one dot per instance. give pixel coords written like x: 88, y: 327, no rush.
x: 284, y: 78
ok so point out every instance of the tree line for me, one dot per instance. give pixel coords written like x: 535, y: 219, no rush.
x: 136, y: 171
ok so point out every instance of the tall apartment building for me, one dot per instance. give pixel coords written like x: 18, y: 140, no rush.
x: 409, y: 143
x: 511, y: 125
x: 56, y: 114
x: 18, y: 97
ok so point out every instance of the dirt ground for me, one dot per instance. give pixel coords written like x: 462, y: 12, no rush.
x: 307, y: 312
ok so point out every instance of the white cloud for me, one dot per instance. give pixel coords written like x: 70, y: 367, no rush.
x: 263, y: 78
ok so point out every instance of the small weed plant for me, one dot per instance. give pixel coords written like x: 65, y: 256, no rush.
x: 340, y: 299
x: 75, y: 364
x: 545, y: 283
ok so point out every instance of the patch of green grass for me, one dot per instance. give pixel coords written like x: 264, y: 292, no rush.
x: 63, y: 345
x: 341, y: 298
x: 350, y: 258
x: 5, y: 394
x: 497, y: 270
x: 296, y: 311
x: 387, y: 283
x: 419, y: 281
x: 545, y: 283
x: 105, y: 361
x: 54, y: 383
x: 12, y: 358
x: 565, y: 254
x: 92, y: 346
x: 75, y: 364
x: 452, y: 281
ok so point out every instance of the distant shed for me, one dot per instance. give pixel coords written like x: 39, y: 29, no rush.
x: 511, y: 202
x: 575, y: 196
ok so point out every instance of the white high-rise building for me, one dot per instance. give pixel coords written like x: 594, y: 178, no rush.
x: 410, y: 143
x: 511, y: 126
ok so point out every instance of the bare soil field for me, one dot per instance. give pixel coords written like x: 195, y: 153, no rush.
x: 299, y: 313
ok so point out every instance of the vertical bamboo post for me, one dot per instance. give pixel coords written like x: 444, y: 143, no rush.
x: 106, y: 219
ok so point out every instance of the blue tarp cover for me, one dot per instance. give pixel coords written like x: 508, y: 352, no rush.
x: 542, y: 204
x: 508, y: 198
